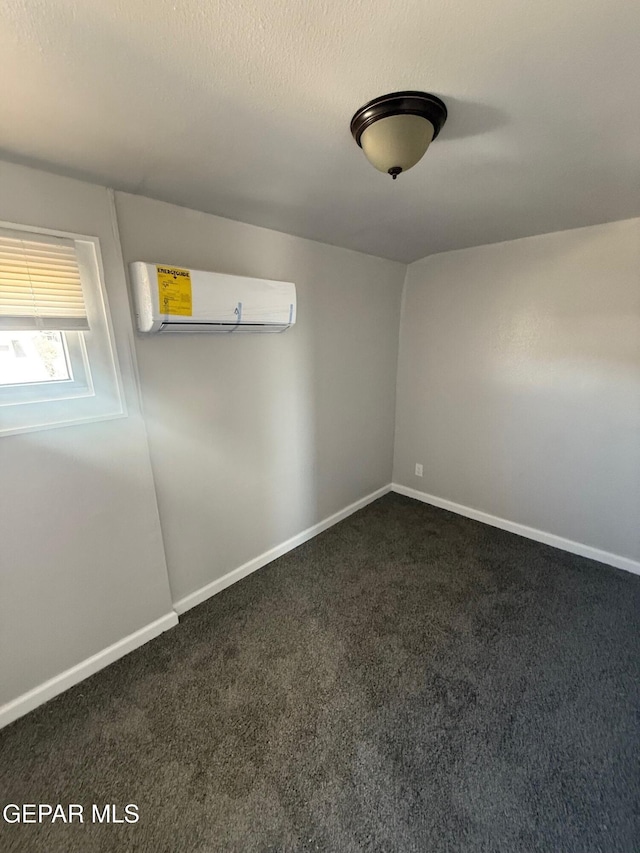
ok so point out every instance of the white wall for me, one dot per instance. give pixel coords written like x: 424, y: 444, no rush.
x: 256, y: 437
x: 82, y: 561
x: 519, y: 382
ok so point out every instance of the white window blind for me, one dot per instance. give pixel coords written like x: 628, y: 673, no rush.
x: 40, y: 283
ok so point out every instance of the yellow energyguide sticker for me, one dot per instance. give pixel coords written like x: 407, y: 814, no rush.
x: 174, y: 291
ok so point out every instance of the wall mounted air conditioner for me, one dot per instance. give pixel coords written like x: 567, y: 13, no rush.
x: 174, y: 299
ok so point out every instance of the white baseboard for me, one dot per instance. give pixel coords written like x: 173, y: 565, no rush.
x: 619, y: 562
x: 235, y: 575
x: 41, y: 694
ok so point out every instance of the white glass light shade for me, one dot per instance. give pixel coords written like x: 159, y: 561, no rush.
x: 396, y: 141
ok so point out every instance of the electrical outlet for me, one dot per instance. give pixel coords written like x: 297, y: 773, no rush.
x: 418, y: 470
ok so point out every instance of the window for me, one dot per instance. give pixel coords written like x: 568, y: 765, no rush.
x: 57, y: 362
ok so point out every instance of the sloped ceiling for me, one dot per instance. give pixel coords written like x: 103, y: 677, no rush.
x: 242, y: 108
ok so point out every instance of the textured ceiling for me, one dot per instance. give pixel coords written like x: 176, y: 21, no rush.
x: 242, y: 108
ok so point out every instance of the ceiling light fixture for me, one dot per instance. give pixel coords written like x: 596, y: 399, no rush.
x: 395, y: 130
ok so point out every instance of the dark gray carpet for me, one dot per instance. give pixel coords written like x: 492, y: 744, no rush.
x: 408, y: 681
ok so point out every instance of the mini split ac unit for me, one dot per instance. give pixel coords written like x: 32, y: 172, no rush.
x: 174, y: 299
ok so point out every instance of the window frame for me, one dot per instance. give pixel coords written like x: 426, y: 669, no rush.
x: 96, y: 391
